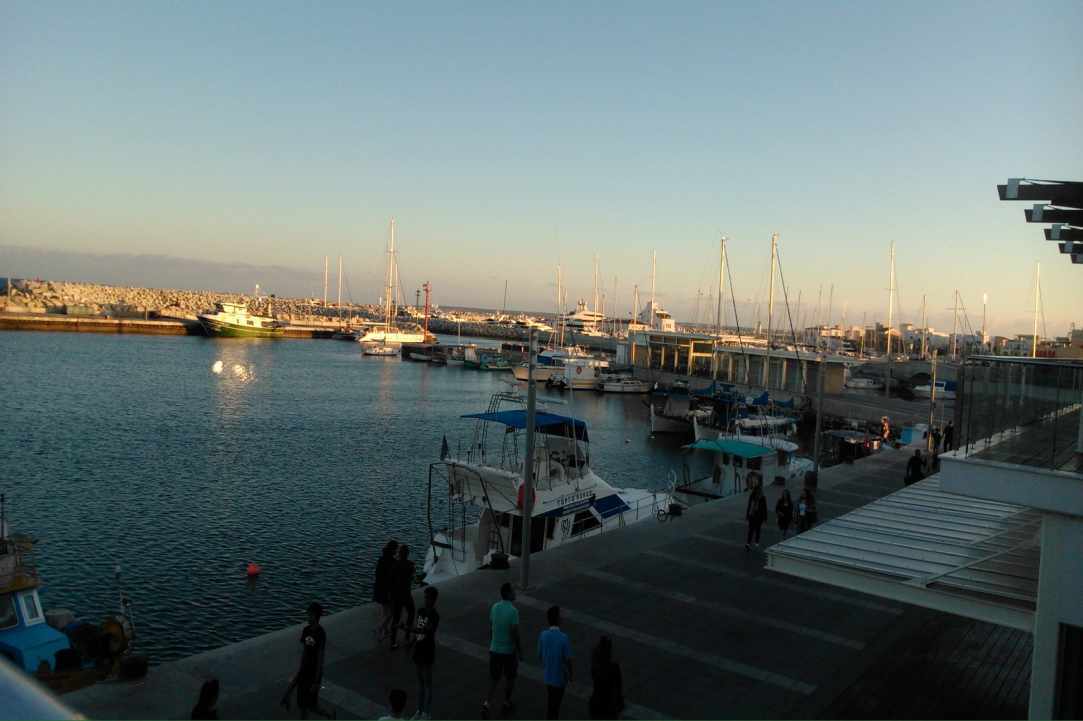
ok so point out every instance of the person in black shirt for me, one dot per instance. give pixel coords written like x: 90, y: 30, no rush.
x: 756, y: 513
x: 607, y: 698
x: 915, y: 468
x: 402, y: 582
x: 381, y: 589
x: 784, y: 512
x: 309, y: 676
x: 424, y: 640
x: 949, y: 436
x: 206, y: 707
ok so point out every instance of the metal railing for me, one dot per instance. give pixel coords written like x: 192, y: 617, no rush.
x: 1024, y: 411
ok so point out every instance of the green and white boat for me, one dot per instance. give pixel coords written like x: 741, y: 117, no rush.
x: 234, y: 321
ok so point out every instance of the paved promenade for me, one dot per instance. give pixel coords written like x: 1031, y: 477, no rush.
x: 700, y: 628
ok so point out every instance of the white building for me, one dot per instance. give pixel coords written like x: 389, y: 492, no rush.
x: 997, y: 535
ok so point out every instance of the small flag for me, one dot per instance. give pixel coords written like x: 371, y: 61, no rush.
x: 444, y: 450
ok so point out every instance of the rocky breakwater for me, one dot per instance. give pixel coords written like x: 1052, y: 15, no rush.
x: 95, y: 300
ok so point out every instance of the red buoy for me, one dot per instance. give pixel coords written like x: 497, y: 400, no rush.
x: 254, y: 569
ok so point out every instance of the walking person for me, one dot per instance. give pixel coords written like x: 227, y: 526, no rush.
x: 206, y: 708
x: 949, y: 436
x: 784, y: 512
x: 936, y: 440
x: 802, y: 512
x: 505, y: 650
x: 309, y: 676
x: 555, y: 652
x: 755, y: 514
x: 810, y: 510
x: 607, y: 698
x: 915, y: 468
x: 402, y: 583
x: 381, y: 588
x: 396, y: 701
x: 424, y: 641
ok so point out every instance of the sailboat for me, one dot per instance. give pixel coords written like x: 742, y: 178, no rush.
x: 389, y: 334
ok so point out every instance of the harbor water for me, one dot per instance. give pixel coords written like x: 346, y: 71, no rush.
x: 303, y: 456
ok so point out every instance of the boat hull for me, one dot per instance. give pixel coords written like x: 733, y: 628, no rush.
x: 541, y: 373
x: 667, y: 424
x: 214, y: 327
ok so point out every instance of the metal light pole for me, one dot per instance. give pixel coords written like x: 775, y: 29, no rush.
x: 528, y: 465
x: 819, y: 413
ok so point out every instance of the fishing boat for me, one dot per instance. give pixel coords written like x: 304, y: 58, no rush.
x: 549, y: 363
x: 380, y: 350
x: 583, y: 373
x: 864, y: 383
x: 945, y: 390
x: 388, y: 333
x: 483, y: 480
x: 743, y: 462
x: 54, y: 647
x: 669, y: 413
x: 624, y: 385
x: 484, y: 360
x: 232, y: 320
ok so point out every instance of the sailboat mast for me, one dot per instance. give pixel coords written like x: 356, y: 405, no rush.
x: 890, y: 299
x: 924, y: 328
x: 984, y: 315
x: 830, y: 305
x: 339, y: 304
x: 721, y: 285
x: 954, y: 324
x: 1037, y: 295
x: 654, y: 263
x: 770, y: 310
x: 325, y: 281
x: 389, y: 289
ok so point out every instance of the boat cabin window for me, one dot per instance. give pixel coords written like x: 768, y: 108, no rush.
x: 755, y: 464
x: 8, y: 617
x: 31, y: 609
x: 583, y: 522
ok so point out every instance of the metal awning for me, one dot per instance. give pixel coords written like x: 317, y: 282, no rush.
x: 924, y: 546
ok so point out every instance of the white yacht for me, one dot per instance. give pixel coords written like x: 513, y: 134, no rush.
x: 584, y: 321
x: 483, y: 480
x: 624, y: 385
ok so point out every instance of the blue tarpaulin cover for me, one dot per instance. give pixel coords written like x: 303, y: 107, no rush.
x: 544, y: 422
x: 733, y: 447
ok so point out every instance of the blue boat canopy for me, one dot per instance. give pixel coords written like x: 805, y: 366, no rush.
x: 549, y: 423
x: 734, y: 447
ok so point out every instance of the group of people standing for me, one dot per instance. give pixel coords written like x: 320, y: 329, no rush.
x: 392, y: 591
x: 920, y: 466
x: 802, y: 514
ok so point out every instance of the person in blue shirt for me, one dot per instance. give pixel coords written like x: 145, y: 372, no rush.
x: 555, y: 652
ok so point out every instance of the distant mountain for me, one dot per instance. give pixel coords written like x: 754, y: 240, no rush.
x: 156, y: 271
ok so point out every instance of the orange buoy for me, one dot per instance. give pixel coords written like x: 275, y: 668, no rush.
x: 254, y: 569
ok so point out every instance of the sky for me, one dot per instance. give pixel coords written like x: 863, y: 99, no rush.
x: 509, y: 138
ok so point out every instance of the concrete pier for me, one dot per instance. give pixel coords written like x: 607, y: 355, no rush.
x: 699, y: 626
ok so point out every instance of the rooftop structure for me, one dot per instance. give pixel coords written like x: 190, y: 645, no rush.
x: 996, y: 536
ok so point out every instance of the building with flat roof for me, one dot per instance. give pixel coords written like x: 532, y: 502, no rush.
x: 996, y: 535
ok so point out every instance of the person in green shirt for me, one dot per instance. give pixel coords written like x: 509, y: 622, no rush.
x: 505, y: 651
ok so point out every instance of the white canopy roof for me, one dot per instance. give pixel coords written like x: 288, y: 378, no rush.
x: 922, y: 545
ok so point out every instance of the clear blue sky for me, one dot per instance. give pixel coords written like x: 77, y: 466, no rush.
x: 507, y: 139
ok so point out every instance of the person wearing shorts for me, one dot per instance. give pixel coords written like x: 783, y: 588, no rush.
x: 505, y: 650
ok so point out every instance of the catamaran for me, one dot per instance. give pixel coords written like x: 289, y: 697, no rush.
x: 388, y: 334
x: 480, y: 489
